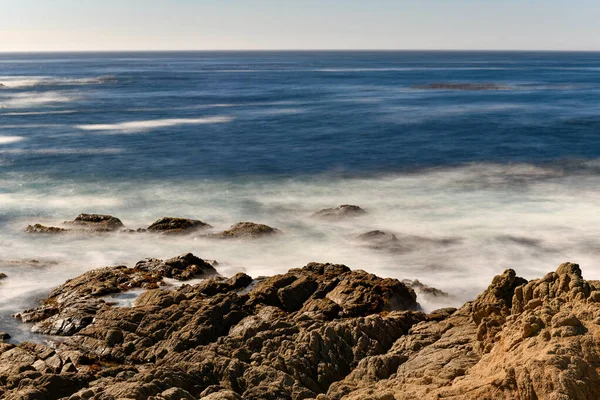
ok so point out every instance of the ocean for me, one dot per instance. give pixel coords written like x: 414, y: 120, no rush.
x: 497, y: 151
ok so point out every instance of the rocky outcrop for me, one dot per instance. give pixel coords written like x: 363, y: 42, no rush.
x: 286, y: 336
x: 38, y: 228
x: 97, y: 222
x: 323, y: 332
x: 246, y: 230
x: 340, y: 212
x: 423, y: 290
x: 176, y: 226
x: 73, y: 305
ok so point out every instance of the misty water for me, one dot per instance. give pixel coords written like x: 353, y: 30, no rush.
x: 509, y: 174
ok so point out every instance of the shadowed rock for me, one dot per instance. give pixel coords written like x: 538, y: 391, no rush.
x: 2, y: 276
x: 340, y: 212
x: 246, y: 230
x: 174, y: 226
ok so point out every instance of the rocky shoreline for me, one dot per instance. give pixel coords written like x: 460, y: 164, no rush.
x: 322, y: 332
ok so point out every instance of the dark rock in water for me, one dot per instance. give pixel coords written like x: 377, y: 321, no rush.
x: 38, y: 228
x: 4, y: 336
x: 72, y: 306
x: 183, y: 267
x: 463, y: 86
x: 423, y: 289
x: 246, y: 230
x: 343, y: 211
x: 2, y: 276
x: 174, y: 226
x: 379, y: 240
x: 97, y: 222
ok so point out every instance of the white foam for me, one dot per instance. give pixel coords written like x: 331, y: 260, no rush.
x: 11, y: 139
x: 18, y: 82
x: 140, y: 126
x: 32, y: 99
x: 525, y: 217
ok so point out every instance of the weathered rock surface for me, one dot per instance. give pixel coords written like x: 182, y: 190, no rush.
x: 97, y: 222
x: 174, y: 226
x: 73, y: 305
x: 246, y: 230
x: 323, y: 332
x: 340, y: 212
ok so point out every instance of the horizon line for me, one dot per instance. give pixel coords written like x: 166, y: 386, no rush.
x: 294, y: 50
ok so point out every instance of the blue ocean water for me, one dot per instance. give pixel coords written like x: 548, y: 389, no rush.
x: 498, y: 151
x: 223, y: 114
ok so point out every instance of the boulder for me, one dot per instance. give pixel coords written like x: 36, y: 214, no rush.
x: 246, y: 230
x: 97, y: 222
x: 340, y: 212
x: 2, y: 276
x: 176, y: 226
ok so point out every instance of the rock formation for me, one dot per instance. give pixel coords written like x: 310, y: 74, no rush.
x: 340, y: 212
x: 97, y: 222
x: 246, y: 230
x: 174, y: 226
x: 319, y: 332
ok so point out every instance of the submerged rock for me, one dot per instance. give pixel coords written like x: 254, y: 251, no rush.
x: 246, y: 230
x: 340, y: 212
x: 174, y: 226
x: 379, y: 240
x: 97, y: 222
x: 38, y: 228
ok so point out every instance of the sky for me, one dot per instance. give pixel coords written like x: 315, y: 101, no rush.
x: 88, y: 25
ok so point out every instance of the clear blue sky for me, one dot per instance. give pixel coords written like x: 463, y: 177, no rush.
x: 30, y: 25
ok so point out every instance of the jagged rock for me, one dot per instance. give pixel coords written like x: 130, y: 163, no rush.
x: 97, y: 222
x: 340, y: 212
x: 246, y: 230
x: 73, y: 305
x: 424, y: 290
x: 325, y: 332
x: 174, y: 226
x: 38, y: 228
